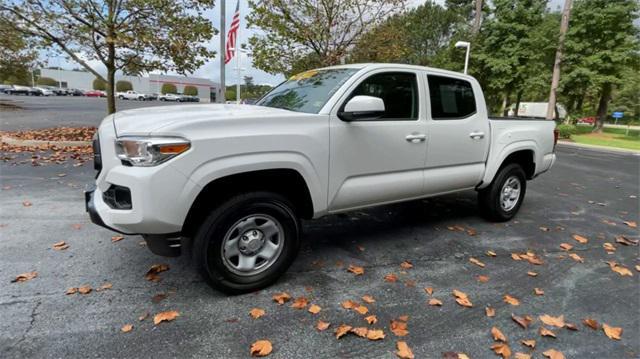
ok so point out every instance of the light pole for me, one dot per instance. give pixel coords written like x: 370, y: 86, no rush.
x: 239, y: 69
x: 463, y: 44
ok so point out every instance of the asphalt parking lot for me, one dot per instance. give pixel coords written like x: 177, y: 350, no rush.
x: 587, y: 193
x: 32, y: 112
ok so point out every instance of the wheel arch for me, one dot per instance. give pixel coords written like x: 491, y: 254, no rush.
x: 522, y: 153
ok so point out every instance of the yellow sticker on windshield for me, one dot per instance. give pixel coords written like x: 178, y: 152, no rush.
x: 303, y: 75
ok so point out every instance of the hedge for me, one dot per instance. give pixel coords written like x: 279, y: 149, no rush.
x: 98, y: 84
x: 566, y: 131
x: 47, y: 81
x: 168, y: 88
x: 191, y: 91
x: 123, y: 86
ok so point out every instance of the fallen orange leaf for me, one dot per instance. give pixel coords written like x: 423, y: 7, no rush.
x: 361, y: 309
x: 85, y: 289
x: 580, y: 238
x: 392, y: 278
x: 490, y: 312
x: 321, y: 326
x: 497, y: 335
x: 429, y: 290
x: 404, y: 318
x: 529, y: 343
x: 116, y: 239
x: 553, y: 354
x: 610, y: 248
x: 511, y: 300
x: 60, y: 246
x: 375, y: 334
x: 24, y: 277
x: 538, y: 291
x: 626, y: 241
x: 571, y: 326
x: 483, y: 278
x: 576, y: 257
x: 281, y: 298
x: 631, y: 224
x: 261, y: 348
x: 406, y: 265
x: 612, y: 332
x: 546, y: 332
x: 300, y: 303
x: 566, y: 246
x: 522, y: 321
x: 356, y: 270
x: 368, y: 299
x: 623, y: 271
x: 404, y: 352
x: 552, y: 321
x: 72, y: 290
x: 491, y: 253
x: 126, y: 328
x: 371, y: 319
x: 314, y: 309
x: 532, y: 274
x: 476, y: 262
x: 591, y: 323
x: 165, y: 316
x: 342, y: 330
x: 462, y: 298
x: 256, y: 313
x: 399, y: 328
x: 360, y: 331
x: 435, y: 302
x: 502, y: 349
x: 152, y: 273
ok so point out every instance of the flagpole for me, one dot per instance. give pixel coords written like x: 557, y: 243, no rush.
x: 223, y: 34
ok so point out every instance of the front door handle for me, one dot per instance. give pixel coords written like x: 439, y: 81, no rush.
x: 416, y: 137
x: 476, y: 135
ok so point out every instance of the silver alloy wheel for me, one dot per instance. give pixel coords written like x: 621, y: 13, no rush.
x: 510, y: 193
x: 252, y: 244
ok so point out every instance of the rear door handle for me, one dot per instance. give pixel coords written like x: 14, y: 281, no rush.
x: 416, y: 137
x: 476, y: 135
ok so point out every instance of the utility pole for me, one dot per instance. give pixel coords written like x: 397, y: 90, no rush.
x: 478, y: 17
x: 555, y: 79
x: 222, y: 50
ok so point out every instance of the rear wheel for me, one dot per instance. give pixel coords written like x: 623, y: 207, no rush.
x: 502, y: 199
x: 247, y: 243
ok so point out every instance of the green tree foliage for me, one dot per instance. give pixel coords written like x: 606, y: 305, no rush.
x: 306, y: 29
x: 47, y: 81
x: 132, y: 36
x: 601, y: 46
x: 123, y: 86
x: 190, y: 90
x: 17, y: 54
x: 168, y: 88
x: 99, y: 84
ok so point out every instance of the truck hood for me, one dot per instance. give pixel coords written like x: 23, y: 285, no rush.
x: 146, y: 120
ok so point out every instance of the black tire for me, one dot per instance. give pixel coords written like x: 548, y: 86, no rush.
x: 207, y: 252
x: 489, y: 197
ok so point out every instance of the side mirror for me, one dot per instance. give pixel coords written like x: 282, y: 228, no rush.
x: 362, y: 108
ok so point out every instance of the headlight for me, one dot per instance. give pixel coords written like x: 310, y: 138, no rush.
x: 149, y: 151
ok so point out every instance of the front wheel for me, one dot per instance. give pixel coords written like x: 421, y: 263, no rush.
x: 247, y: 243
x: 502, y: 199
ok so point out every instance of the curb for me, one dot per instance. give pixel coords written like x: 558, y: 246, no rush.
x: 599, y: 148
x: 32, y: 143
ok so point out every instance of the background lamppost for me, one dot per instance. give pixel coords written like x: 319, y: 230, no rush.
x: 463, y: 44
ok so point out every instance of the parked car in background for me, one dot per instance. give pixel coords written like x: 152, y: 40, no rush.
x: 586, y: 121
x: 22, y: 90
x: 95, y: 93
x: 3, y: 88
x: 170, y: 97
x: 187, y: 98
x: 234, y: 181
x: 131, y: 95
x: 43, y: 91
x: 75, y: 92
x: 151, y: 97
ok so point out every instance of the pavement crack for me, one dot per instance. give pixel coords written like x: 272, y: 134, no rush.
x: 32, y: 322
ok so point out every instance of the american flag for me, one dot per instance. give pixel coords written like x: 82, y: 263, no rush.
x: 232, y: 35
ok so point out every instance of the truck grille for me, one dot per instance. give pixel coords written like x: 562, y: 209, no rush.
x: 97, y: 158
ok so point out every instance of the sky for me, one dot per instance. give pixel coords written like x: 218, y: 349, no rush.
x: 211, y: 70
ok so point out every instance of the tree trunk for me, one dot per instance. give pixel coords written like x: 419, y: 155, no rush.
x: 555, y: 79
x: 518, y: 98
x: 477, y: 20
x: 603, y: 104
x: 505, y: 104
x: 111, y: 95
x: 580, y: 102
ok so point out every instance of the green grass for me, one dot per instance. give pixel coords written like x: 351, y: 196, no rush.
x: 609, y: 139
x: 582, y: 129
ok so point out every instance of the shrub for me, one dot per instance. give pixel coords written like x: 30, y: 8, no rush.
x: 566, y: 131
x: 47, y: 81
x: 98, y: 84
x: 191, y: 91
x: 122, y: 86
x: 168, y: 88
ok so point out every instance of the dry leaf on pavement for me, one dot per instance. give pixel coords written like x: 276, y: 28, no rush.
x: 476, y: 262
x: 610, y: 248
x: 576, y: 257
x: 85, y: 289
x: 522, y: 321
x: 491, y: 253
x: 553, y: 354
x: 566, y: 246
x: 152, y: 273
x: 126, y: 328
x: 591, y: 323
x: 511, y: 300
x: 612, y: 332
x: 519, y: 355
x: 261, y: 348
x: 404, y: 352
x: 497, y: 335
x: 580, y: 238
x: 392, y: 278
x: 361, y: 309
x: 490, y: 312
x: 532, y: 274
x: 429, y: 290
x: 546, y: 332
x: 435, y: 302
x: 552, y: 321
x: 538, y: 291
x: 406, y: 265
x: 72, y: 290
x: 24, y: 277
x: 281, y: 298
x: 483, y: 278
x: 314, y: 309
x: 502, y: 349
x: 321, y: 326
x: 342, y: 330
x: 399, y: 328
x: 368, y: 299
x: 60, y: 246
x: 116, y: 239
x: 375, y: 334
x: 529, y: 343
x: 462, y: 298
x: 356, y: 270
x: 360, y: 331
x: 300, y: 303
x: 256, y: 313
x: 165, y: 316
x: 623, y: 271
x: 371, y: 319
x: 349, y: 304
x: 631, y: 224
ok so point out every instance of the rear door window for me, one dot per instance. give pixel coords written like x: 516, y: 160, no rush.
x: 450, y: 98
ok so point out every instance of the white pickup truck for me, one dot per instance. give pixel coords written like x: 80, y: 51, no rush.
x: 233, y: 181
x: 131, y: 95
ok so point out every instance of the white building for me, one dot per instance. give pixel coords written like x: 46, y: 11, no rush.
x: 208, y: 91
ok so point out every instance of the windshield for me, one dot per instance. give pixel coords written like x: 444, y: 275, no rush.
x: 307, y: 91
